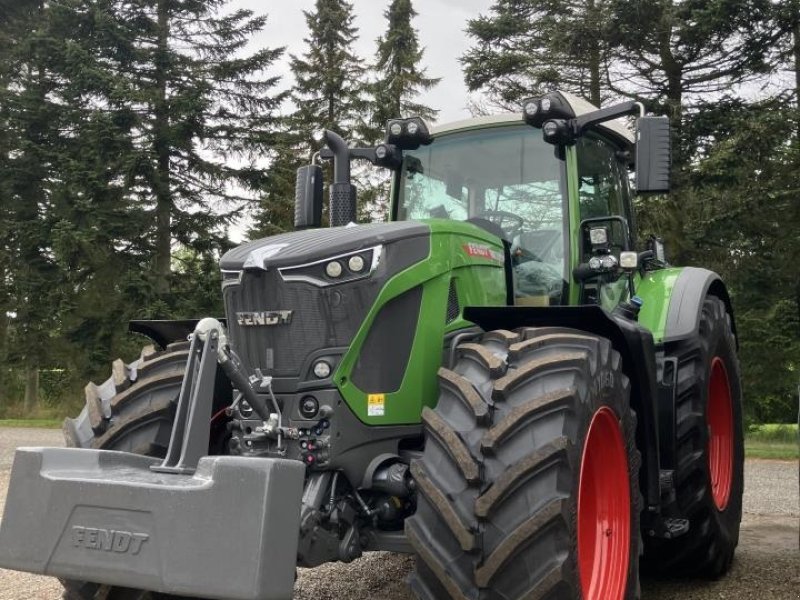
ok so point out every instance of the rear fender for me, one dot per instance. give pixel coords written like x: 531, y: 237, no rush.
x: 673, y: 301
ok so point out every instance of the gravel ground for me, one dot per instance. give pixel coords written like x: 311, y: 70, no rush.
x: 767, y: 562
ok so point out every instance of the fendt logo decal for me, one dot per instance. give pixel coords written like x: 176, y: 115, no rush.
x: 264, y: 319
x: 482, y: 251
x: 108, y: 540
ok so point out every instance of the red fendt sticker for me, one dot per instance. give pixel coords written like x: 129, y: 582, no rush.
x: 481, y: 251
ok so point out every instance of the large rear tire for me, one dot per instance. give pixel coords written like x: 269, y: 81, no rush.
x: 132, y: 411
x: 709, y: 477
x: 528, y: 485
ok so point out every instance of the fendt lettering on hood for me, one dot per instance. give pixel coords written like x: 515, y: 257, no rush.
x: 265, y: 318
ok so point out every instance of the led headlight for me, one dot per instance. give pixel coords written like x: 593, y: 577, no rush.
x: 609, y: 261
x: 356, y: 264
x: 550, y: 129
x: 628, y: 260
x: 322, y: 370
x: 333, y: 269
x: 598, y: 236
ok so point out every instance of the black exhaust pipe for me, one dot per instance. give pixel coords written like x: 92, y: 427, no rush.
x: 343, y: 192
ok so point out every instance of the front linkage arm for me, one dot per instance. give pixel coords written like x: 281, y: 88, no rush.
x: 190, y: 433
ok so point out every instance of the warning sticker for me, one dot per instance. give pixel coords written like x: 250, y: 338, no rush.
x: 376, y: 405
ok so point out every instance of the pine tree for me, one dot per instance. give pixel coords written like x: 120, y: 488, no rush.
x: 275, y: 212
x: 199, y: 110
x: 329, y: 89
x: 400, y: 76
x: 672, y: 53
x: 525, y: 48
x: 33, y: 119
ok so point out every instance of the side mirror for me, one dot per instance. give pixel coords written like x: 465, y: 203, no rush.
x: 653, y: 155
x: 308, y: 197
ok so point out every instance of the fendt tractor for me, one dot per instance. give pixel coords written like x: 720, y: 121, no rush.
x: 501, y: 379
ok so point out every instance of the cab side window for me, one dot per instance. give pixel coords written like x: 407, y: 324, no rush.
x: 603, y: 183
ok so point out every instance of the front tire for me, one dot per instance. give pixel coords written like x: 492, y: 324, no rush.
x: 709, y: 477
x: 528, y: 485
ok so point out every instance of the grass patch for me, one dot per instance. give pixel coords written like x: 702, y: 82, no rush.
x: 772, y: 440
x: 771, y: 450
x: 774, y: 432
x: 32, y: 423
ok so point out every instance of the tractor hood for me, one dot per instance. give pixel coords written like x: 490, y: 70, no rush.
x: 303, y: 247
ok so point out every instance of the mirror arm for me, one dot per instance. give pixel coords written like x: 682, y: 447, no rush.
x: 368, y: 154
x: 602, y: 115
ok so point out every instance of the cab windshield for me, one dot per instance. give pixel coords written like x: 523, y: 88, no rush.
x: 507, y: 176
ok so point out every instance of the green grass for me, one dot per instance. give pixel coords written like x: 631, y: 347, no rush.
x: 772, y: 440
x: 771, y: 450
x: 32, y: 423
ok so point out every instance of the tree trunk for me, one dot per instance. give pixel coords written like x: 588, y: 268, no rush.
x: 796, y: 52
x: 161, y: 144
x: 595, y: 71
x: 31, y: 387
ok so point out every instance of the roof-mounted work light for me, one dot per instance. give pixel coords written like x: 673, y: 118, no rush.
x: 537, y: 111
x: 408, y: 134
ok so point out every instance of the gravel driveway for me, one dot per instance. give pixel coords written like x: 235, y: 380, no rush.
x: 767, y: 562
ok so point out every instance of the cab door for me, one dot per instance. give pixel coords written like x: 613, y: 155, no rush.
x: 602, y: 190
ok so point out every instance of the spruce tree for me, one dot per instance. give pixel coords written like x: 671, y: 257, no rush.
x: 672, y: 53
x: 401, y: 78
x: 329, y: 89
x: 525, y: 48
x: 275, y: 211
x: 33, y: 118
x: 200, y: 112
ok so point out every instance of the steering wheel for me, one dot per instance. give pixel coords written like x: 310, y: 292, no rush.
x: 507, y: 221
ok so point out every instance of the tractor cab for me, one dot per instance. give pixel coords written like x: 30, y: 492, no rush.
x: 553, y: 184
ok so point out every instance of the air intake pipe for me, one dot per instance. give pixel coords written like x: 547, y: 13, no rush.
x: 343, y: 192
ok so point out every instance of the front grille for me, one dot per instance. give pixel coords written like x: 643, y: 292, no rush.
x: 321, y: 318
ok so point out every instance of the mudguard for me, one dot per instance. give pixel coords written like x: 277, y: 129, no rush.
x: 686, y: 302
x: 673, y: 301
x: 228, y: 531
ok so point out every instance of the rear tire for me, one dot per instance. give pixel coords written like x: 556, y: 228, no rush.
x: 506, y: 481
x: 709, y: 477
x: 132, y: 411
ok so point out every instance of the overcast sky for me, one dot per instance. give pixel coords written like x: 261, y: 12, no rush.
x: 441, y: 25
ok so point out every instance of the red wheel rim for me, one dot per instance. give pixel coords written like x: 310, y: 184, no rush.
x: 719, y: 416
x: 604, y: 510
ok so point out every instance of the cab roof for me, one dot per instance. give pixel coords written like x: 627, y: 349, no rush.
x: 618, y: 128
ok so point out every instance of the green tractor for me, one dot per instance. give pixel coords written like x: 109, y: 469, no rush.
x: 499, y: 380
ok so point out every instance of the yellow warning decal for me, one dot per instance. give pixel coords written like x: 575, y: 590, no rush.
x: 376, y: 405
